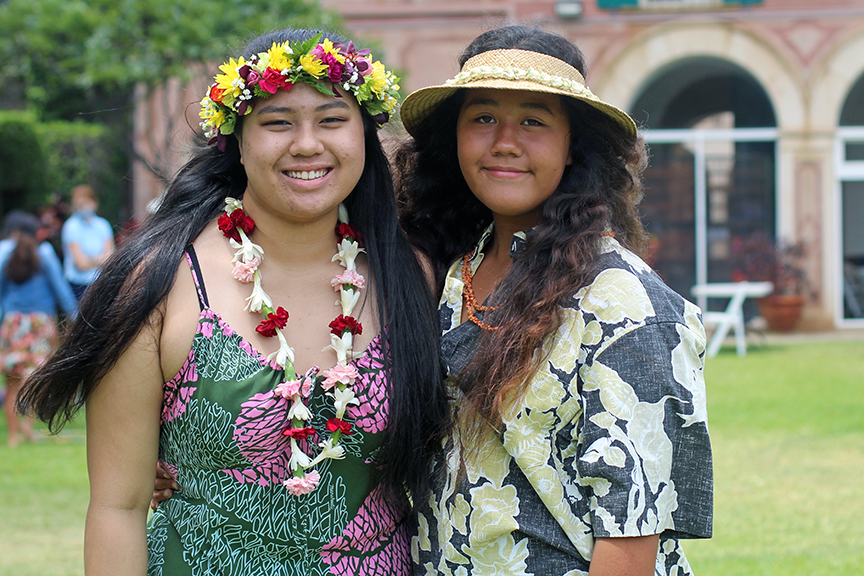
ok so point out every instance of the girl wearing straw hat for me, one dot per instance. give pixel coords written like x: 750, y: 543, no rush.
x: 581, y: 442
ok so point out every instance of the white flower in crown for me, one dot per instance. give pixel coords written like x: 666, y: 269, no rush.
x: 348, y: 299
x: 298, y: 459
x: 328, y: 451
x: 258, y: 298
x: 284, y: 354
x: 348, y: 251
x: 341, y: 400
x: 247, y: 251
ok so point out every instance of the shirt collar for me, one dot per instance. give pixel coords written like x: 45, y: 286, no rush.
x: 517, y: 243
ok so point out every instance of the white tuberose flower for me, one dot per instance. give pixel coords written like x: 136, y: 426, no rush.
x: 342, y: 345
x: 348, y: 299
x: 299, y: 410
x: 232, y: 204
x: 284, y: 354
x: 247, y: 250
x: 328, y: 451
x: 298, y: 458
x: 341, y: 400
x: 348, y: 251
x: 258, y: 296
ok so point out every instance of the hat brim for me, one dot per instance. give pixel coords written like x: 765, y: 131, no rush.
x: 421, y: 103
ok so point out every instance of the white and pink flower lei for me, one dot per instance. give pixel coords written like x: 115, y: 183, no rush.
x: 338, y: 381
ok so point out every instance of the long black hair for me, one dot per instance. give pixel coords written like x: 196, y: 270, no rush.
x: 599, y: 191
x: 137, y: 278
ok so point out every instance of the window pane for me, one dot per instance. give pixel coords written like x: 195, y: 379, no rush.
x: 854, y: 151
x: 853, y: 249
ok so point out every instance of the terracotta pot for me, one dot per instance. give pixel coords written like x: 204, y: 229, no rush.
x: 781, y: 311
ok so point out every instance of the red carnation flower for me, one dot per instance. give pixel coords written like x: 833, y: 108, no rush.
x: 342, y: 324
x: 347, y: 231
x: 242, y: 221
x: 226, y: 225
x: 334, y: 424
x: 299, y: 433
x: 274, y: 320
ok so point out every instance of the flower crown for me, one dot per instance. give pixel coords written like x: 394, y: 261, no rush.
x: 285, y: 64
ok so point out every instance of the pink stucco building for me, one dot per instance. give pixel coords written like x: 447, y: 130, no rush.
x: 754, y: 112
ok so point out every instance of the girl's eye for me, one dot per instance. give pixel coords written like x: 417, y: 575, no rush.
x: 333, y: 120
x: 485, y: 119
x: 276, y: 123
x: 532, y: 122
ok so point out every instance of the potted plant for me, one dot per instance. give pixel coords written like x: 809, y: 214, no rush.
x: 761, y: 258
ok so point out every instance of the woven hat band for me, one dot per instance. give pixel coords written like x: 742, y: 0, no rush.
x: 521, y: 65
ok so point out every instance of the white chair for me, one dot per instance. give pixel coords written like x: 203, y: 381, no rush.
x: 733, y: 316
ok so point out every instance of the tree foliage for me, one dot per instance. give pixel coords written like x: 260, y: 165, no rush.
x: 70, y: 57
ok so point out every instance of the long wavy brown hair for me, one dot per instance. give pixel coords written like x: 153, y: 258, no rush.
x: 599, y: 192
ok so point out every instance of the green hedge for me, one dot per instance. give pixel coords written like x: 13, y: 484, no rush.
x: 38, y: 159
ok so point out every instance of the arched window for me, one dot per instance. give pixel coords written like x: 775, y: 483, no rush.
x: 710, y: 184
x: 850, y: 156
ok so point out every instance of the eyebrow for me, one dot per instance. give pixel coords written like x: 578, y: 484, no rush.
x: 273, y: 109
x: 493, y: 102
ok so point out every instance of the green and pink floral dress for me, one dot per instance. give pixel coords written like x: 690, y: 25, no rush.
x: 221, y: 437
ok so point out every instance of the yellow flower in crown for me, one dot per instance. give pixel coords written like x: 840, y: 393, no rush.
x: 278, y: 57
x: 325, y: 64
x: 312, y: 65
x: 378, y: 78
x: 230, y: 81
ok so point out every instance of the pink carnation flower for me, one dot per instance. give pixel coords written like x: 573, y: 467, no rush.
x: 298, y: 486
x: 245, y: 271
x: 288, y: 389
x: 348, y: 277
x: 346, y: 375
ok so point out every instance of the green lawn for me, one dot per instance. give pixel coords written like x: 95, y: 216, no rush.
x: 787, y: 425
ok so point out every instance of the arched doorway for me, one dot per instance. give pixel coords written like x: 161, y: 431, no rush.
x: 710, y: 184
x: 850, y: 168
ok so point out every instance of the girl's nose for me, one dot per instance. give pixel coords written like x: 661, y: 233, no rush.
x: 506, y: 141
x: 306, y: 142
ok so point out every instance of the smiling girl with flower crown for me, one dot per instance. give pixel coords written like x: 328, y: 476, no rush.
x: 268, y: 334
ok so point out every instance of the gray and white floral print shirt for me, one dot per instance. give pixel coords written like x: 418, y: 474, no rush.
x: 609, y: 439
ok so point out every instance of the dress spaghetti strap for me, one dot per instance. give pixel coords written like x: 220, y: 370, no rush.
x: 196, y: 277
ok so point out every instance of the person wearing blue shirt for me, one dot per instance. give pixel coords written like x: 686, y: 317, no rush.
x: 32, y: 288
x: 87, y: 239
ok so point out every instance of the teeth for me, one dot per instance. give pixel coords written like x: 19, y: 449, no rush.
x: 307, y: 175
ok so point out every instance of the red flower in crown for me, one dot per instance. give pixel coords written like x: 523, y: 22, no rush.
x: 229, y: 223
x: 347, y: 231
x: 334, y: 424
x: 299, y: 433
x: 342, y: 324
x: 274, y: 320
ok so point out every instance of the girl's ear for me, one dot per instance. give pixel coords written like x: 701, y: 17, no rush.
x: 239, y: 144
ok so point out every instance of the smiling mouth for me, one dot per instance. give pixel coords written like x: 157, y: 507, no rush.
x: 307, y: 174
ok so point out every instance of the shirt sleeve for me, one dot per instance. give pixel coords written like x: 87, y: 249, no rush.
x: 59, y: 286
x: 644, y: 459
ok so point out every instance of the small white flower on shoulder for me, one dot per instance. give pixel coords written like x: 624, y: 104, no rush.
x: 232, y: 204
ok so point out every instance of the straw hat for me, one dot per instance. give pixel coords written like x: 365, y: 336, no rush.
x: 510, y: 70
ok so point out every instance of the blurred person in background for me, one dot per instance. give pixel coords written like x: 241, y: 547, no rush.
x: 88, y: 240
x: 32, y: 288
